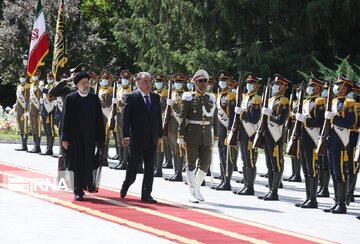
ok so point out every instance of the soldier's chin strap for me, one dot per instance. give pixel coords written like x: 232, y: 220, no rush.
x: 197, y: 89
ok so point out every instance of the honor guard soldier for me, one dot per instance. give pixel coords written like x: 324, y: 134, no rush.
x: 278, y: 112
x: 324, y: 171
x: 94, y: 81
x: 210, y: 85
x: 35, y: 121
x: 175, y: 102
x: 168, y: 164
x: 48, y: 113
x: 295, y: 160
x: 160, y: 88
x: 22, y: 109
x: 124, y: 88
x: 249, y: 112
x: 342, y: 118
x: 354, y: 133
x: 225, y: 104
x: 189, y: 84
x: 195, y: 132
x: 312, y: 119
x: 106, y: 96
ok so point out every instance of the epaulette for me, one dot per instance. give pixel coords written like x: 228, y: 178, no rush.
x: 212, y: 96
x: 187, y: 96
x: 320, y: 101
x: 163, y: 93
x: 284, y: 101
x: 349, y: 102
x: 256, y: 99
x: 230, y: 96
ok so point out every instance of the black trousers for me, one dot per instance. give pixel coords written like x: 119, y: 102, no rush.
x: 138, y: 154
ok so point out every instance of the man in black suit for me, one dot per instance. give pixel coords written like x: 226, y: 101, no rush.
x: 142, y: 132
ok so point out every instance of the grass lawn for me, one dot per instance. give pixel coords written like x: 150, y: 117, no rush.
x: 9, y: 136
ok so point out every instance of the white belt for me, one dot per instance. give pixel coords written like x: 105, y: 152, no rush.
x: 199, y: 122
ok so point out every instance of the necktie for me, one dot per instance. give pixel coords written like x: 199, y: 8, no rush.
x: 147, y: 102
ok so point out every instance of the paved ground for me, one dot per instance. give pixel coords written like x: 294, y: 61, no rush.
x: 25, y: 219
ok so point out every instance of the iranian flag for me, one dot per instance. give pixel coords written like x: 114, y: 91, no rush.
x: 39, y: 42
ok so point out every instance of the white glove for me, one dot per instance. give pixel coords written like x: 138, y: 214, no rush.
x: 215, y: 142
x: 55, y: 103
x: 239, y: 110
x: 170, y: 102
x: 300, y: 117
x: 22, y: 89
x: 35, y: 88
x: 114, y: 100
x: 265, y: 111
x: 181, y: 142
x: 329, y: 115
x: 41, y: 101
x: 41, y: 83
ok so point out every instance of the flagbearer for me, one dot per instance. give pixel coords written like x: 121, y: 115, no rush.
x: 124, y: 88
x: 160, y: 85
x: 342, y: 119
x: 34, y: 112
x: 226, y: 102
x: 105, y: 96
x: 22, y: 109
x: 249, y: 113
x: 278, y: 112
x: 48, y: 113
x: 312, y: 119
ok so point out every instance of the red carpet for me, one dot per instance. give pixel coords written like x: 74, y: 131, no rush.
x: 167, y: 220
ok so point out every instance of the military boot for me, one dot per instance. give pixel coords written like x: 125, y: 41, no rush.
x: 222, y: 177
x: 270, y: 176
x: 324, y: 191
x: 273, y: 196
x: 307, y: 188
x: 23, y: 143
x: 312, y: 203
x: 178, y: 166
x: 50, y: 145
x: 351, y: 188
x: 250, y: 180
x: 336, y: 199
x: 36, y: 148
x: 341, y: 207
x: 159, y: 162
x: 227, y: 185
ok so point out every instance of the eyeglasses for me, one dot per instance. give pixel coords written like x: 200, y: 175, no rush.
x: 203, y: 81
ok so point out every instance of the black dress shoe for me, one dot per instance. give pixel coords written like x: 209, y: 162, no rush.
x: 21, y: 149
x: 123, y: 192
x: 79, y: 197
x: 149, y: 200
x: 158, y: 173
x: 35, y: 150
x: 47, y: 153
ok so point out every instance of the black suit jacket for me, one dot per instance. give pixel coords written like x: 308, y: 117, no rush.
x: 140, y: 124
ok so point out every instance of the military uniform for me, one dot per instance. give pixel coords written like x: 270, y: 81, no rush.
x: 249, y: 113
x: 226, y: 102
x: 173, y: 126
x: 342, y: 119
x: 273, y: 139
x: 34, y: 112
x: 48, y: 114
x: 120, y: 97
x: 22, y: 109
x: 105, y: 96
x: 351, y: 164
x: 195, y: 133
x: 312, y: 118
x: 160, y: 151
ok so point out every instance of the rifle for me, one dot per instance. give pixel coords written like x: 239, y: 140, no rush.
x: 233, y: 135
x: 167, y: 113
x: 292, y: 145
x: 357, y: 150
x: 258, y: 142
x: 324, y: 137
x: 288, y: 122
x: 113, y: 109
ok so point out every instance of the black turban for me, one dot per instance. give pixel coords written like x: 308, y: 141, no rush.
x: 81, y: 76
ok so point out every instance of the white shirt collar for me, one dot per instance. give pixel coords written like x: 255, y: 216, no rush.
x: 82, y: 95
x: 143, y: 94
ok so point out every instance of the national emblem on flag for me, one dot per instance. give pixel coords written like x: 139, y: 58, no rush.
x: 39, y: 45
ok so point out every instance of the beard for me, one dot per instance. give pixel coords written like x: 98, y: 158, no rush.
x: 84, y: 91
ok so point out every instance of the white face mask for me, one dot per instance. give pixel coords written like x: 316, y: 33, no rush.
x: 234, y: 90
x: 104, y: 82
x: 351, y: 95
x: 208, y: 88
x: 118, y: 85
x: 309, y: 90
x: 177, y: 86
x: 275, y: 89
x: 324, y: 93
x: 125, y: 82
x: 190, y: 86
x: 158, y: 85
x: 222, y: 84
x: 22, y: 79
x: 336, y: 89
x: 35, y: 78
x: 249, y: 87
x: 50, y: 81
